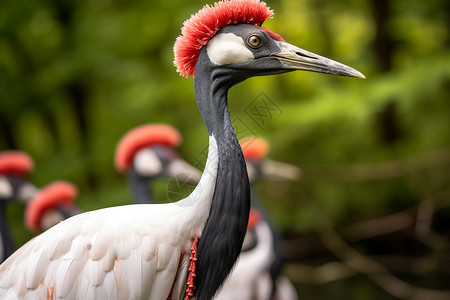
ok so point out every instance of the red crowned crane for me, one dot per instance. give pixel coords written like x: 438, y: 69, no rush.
x: 257, y: 273
x: 148, y: 152
x: 52, y: 204
x: 153, y: 251
x: 44, y: 207
x: 14, y: 166
x: 145, y: 152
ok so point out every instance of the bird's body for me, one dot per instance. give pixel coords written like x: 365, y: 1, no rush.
x: 88, y: 262
x: 257, y: 272
x: 93, y: 255
x: 250, y: 277
x: 67, y: 260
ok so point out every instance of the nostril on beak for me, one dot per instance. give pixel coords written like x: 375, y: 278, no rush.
x: 305, y: 55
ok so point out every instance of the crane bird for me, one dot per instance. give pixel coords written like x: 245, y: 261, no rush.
x: 52, y: 204
x: 257, y: 273
x: 153, y: 251
x: 145, y: 152
x: 148, y: 152
x: 14, y: 166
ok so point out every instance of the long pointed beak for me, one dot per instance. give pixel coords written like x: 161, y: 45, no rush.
x: 276, y: 170
x: 184, y: 171
x: 296, y: 58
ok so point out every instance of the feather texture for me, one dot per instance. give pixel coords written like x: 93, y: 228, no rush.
x: 125, y: 252
x: 202, y: 26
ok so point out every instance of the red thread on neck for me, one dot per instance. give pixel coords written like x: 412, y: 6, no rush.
x: 190, y: 291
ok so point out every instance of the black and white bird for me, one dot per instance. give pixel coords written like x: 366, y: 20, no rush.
x: 148, y: 152
x: 257, y: 274
x: 155, y: 251
x: 14, y: 187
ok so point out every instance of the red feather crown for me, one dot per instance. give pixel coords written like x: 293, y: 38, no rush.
x: 141, y: 137
x: 253, y: 218
x: 202, y: 26
x: 16, y: 162
x: 254, y: 148
x: 48, y: 198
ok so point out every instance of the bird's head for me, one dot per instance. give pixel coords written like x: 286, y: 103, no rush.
x: 230, y: 35
x: 150, y: 150
x: 52, y: 204
x: 14, y: 166
x: 255, y: 151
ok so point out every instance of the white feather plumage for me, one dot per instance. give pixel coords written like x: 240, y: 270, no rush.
x: 125, y: 252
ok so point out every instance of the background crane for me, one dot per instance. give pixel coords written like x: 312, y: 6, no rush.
x: 14, y: 187
x: 149, y: 152
x: 51, y: 204
x: 145, y: 152
x: 258, y: 271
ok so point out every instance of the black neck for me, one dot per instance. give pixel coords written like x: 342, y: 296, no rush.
x: 7, y: 241
x: 223, y: 234
x: 140, y: 187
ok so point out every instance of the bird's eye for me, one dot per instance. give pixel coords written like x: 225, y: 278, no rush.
x: 254, y: 41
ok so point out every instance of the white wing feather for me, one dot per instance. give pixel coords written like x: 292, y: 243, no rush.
x: 78, y: 259
x: 125, y: 252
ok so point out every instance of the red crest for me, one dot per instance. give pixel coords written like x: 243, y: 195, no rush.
x: 254, y: 148
x: 141, y: 137
x: 50, y: 197
x: 253, y: 218
x: 202, y: 26
x: 15, y: 162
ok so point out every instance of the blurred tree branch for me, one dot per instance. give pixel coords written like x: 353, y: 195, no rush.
x: 334, y: 271
x: 375, y: 271
x: 367, y: 229
x: 378, y: 268
x: 376, y: 171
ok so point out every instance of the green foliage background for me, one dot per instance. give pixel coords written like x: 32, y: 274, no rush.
x: 76, y: 75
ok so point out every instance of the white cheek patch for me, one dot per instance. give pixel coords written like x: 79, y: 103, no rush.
x: 147, y: 163
x: 27, y: 192
x: 227, y: 48
x: 50, y: 219
x: 6, y: 190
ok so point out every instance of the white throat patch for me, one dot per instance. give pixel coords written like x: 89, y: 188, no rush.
x: 227, y: 48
